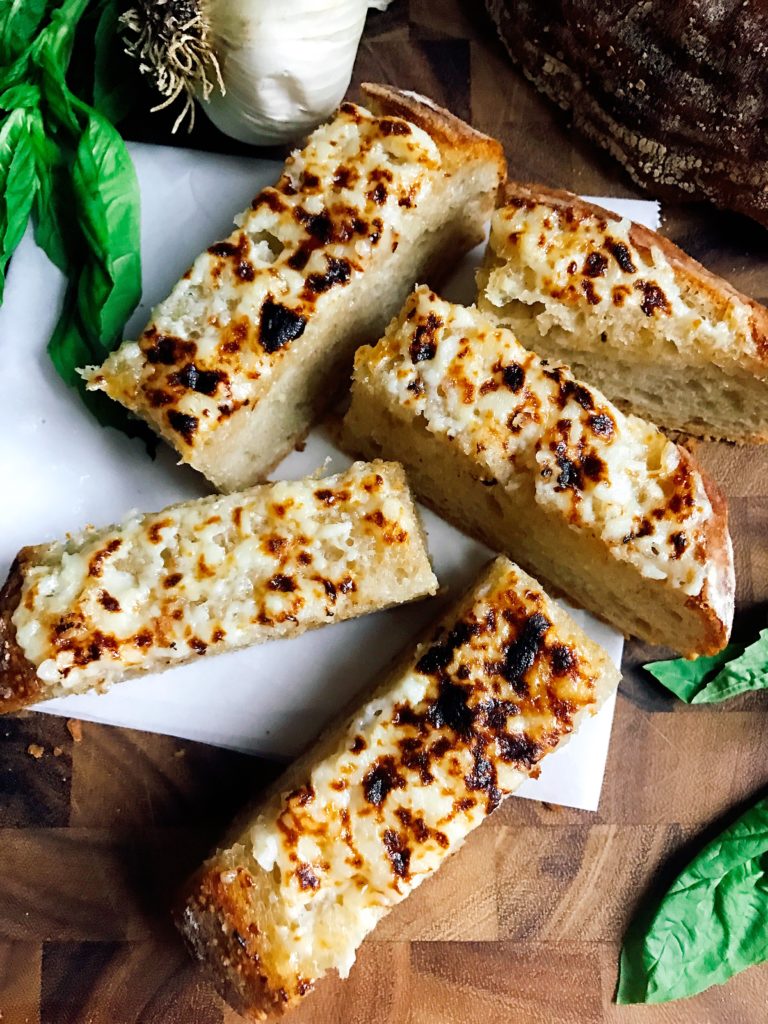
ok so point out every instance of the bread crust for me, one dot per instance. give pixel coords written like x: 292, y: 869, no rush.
x: 717, y: 290
x: 448, y: 131
x: 715, y: 603
x: 675, y: 92
x: 210, y: 918
x: 20, y: 682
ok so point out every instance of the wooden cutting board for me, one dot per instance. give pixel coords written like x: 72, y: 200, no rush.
x: 524, y: 925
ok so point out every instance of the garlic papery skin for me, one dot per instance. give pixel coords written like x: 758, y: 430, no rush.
x: 285, y: 64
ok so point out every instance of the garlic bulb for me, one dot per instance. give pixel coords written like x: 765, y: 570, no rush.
x: 264, y: 71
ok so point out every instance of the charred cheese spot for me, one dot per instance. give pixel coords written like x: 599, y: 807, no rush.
x: 513, y: 376
x: 381, y: 779
x: 285, y: 584
x: 279, y: 326
x: 166, y: 350
x: 621, y: 254
x: 183, y: 424
x: 589, y: 291
x: 595, y: 265
x: 654, y: 300
x: 339, y: 272
x: 97, y: 560
x: 424, y: 344
x: 205, y: 382
x: 109, y: 602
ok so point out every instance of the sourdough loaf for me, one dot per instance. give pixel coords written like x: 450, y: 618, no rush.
x: 676, y: 91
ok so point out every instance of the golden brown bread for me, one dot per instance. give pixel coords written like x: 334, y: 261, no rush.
x: 19, y: 683
x: 458, y: 139
x: 207, y: 576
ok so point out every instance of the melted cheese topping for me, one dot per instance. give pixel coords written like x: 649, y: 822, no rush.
x: 213, y: 346
x: 583, y: 275
x: 616, y: 476
x: 218, y: 574
x: 419, y: 766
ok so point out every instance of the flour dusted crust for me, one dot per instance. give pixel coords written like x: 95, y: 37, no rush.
x: 676, y: 92
x: 257, y: 336
x: 546, y: 468
x: 628, y: 310
x: 207, y: 576
x: 388, y: 794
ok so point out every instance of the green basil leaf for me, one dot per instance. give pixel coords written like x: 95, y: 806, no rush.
x: 747, y: 672
x: 63, y: 161
x: 114, y: 94
x: 687, y: 678
x: 108, y: 208
x: 58, y: 35
x: 19, y: 23
x: 71, y: 346
x: 18, y: 182
x: 54, y: 206
x: 21, y: 95
x: 95, y: 193
x: 711, y: 923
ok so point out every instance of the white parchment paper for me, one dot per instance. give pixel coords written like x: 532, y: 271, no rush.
x: 61, y: 470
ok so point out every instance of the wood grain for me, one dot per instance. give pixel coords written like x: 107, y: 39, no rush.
x: 523, y: 926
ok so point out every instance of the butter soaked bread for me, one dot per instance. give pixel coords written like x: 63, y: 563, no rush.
x: 257, y: 337
x: 516, y: 451
x: 630, y: 312
x: 386, y: 796
x: 207, y: 576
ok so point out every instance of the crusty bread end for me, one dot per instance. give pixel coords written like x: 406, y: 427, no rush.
x: 455, y: 137
x: 20, y: 684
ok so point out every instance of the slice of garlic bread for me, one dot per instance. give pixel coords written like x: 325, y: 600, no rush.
x: 258, y: 336
x: 629, y: 311
x: 208, y: 576
x: 386, y: 796
x: 537, y: 464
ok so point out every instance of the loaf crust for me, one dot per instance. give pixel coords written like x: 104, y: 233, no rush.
x: 676, y: 92
x: 19, y: 683
x: 715, y: 604
x: 457, y: 138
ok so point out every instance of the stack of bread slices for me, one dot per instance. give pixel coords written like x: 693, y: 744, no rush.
x: 528, y: 420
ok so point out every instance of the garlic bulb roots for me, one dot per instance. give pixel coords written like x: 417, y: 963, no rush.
x: 264, y: 71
